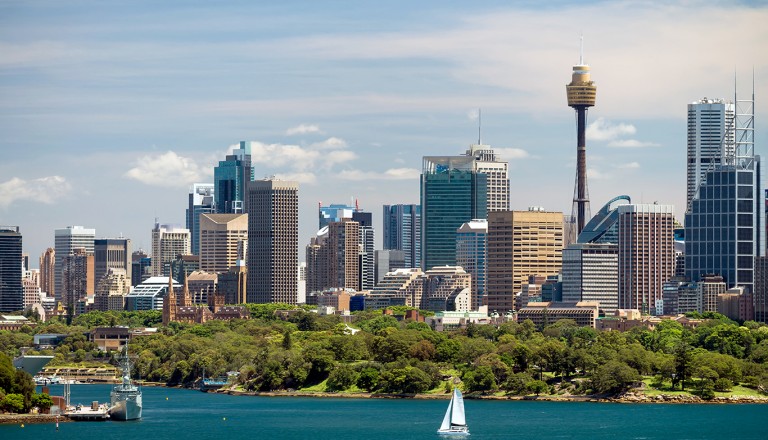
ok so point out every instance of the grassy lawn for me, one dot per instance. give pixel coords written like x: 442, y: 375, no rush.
x: 737, y: 390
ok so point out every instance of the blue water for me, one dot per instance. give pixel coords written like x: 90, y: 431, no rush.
x: 187, y: 414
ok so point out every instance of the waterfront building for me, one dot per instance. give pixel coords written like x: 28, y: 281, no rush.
x: 646, y: 254
x: 231, y: 178
x: 591, y: 273
x: 402, y: 232
x: 710, y: 140
x: 452, y: 192
x: 111, y: 253
x: 67, y: 239
x: 201, y: 201
x: 471, y: 254
x: 223, y: 237
x: 168, y: 241
x: 520, y: 244
x: 386, y: 261
x: 11, y: 288
x: 273, y: 224
x: 48, y: 271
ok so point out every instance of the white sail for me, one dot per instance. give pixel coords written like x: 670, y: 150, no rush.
x: 446, y: 425
x: 457, y: 417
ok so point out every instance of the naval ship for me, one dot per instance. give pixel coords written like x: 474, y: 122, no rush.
x: 125, y: 396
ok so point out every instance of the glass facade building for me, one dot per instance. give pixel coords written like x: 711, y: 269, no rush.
x: 402, y: 232
x: 11, y: 290
x: 201, y: 201
x: 231, y: 179
x: 452, y: 193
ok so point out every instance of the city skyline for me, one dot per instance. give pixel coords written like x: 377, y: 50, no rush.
x: 109, y: 117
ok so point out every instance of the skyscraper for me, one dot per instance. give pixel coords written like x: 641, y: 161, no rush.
x: 366, y: 260
x: 402, y: 232
x: 591, y: 273
x: 452, y: 192
x: 710, y: 139
x: 725, y: 222
x: 11, y: 289
x: 221, y: 237
x: 77, y: 275
x: 581, y: 95
x: 646, y: 254
x: 273, y: 224
x: 520, y: 244
x: 472, y: 255
x: 201, y: 201
x: 168, y: 241
x: 66, y: 240
x: 335, y: 212
x: 231, y: 179
x: 333, y: 257
x: 48, y: 271
x: 114, y: 253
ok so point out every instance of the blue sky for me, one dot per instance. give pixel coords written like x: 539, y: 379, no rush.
x: 109, y: 110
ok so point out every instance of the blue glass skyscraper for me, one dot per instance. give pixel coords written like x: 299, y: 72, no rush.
x: 231, y: 179
x: 402, y: 232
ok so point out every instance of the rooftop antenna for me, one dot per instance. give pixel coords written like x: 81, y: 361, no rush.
x: 479, y: 126
x: 581, y: 50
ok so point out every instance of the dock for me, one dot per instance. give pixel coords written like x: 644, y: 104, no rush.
x: 95, y: 413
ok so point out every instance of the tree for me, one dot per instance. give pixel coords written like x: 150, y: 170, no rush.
x: 683, y: 361
x: 341, y: 378
x: 479, y: 379
x: 368, y: 379
x: 537, y: 387
x: 723, y: 385
x: 13, y: 403
x: 42, y: 401
x: 613, y: 377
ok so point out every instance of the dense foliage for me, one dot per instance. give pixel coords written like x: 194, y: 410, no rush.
x: 307, y: 351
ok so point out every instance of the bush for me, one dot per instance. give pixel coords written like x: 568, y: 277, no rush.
x: 537, y: 387
x: 723, y: 385
x: 13, y: 403
x: 341, y: 378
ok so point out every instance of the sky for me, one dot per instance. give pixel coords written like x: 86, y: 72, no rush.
x: 110, y: 110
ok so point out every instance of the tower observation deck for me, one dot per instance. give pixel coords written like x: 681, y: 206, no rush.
x: 581, y: 95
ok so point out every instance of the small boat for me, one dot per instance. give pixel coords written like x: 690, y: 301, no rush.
x: 454, y: 422
x: 126, y: 399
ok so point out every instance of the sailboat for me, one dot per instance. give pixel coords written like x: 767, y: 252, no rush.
x: 454, y: 422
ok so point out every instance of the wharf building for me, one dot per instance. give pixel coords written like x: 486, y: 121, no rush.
x: 472, y: 255
x: 520, y: 244
x: 168, y: 241
x: 231, y: 178
x: 201, y: 201
x: 402, y: 232
x: 11, y: 289
x: 273, y: 224
x: 65, y: 241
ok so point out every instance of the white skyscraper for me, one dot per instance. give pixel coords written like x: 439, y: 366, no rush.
x: 66, y: 240
x: 497, y: 171
x: 168, y: 241
x: 710, y: 138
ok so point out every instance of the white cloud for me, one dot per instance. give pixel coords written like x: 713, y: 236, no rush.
x: 630, y: 143
x: 511, y: 153
x: 307, y: 178
x: 44, y: 190
x: 296, y: 158
x: 474, y: 114
x: 390, y: 174
x: 167, y: 169
x: 604, y: 130
x: 630, y: 165
x: 595, y: 174
x: 330, y: 144
x: 303, y: 129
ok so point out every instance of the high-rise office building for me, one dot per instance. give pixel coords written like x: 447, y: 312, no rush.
x: 335, y: 212
x: 387, y: 261
x: 168, y: 241
x: 77, y: 276
x: 710, y: 139
x: 11, y: 289
x: 497, y: 175
x: 231, y: 178
x: 67, y: 239
x: 761, y: 289
x: 471, y: 254
x: 646, y: 254
x: 333, y: 257
x: 273, y: 224
x: 591, y: 273
x: 201, y: 201
x: 222, y: 236
x: 520, y: 244
x: 111, y: 253
x: 402, y: 231
x: 366, y: 261
x: 111, y: 290
x: 48, y: 271
x: 452, y: 193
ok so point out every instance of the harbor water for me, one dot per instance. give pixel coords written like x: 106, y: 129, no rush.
x: 190, y: 414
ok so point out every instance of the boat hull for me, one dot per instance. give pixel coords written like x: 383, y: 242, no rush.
x: 126, y: 407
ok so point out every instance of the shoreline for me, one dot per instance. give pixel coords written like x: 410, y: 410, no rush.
x: 30, y: 419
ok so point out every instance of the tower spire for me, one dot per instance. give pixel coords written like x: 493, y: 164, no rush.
x: 581, y: 51
x: 479, y: 126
